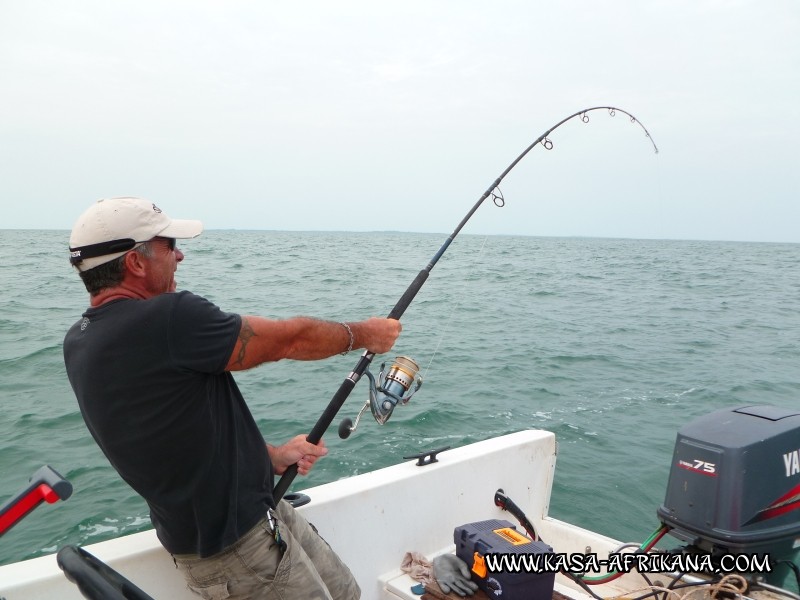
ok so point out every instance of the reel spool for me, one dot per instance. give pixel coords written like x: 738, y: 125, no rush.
x: 391, y: 388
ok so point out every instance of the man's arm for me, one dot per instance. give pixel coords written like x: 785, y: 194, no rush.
x: 303, y: 338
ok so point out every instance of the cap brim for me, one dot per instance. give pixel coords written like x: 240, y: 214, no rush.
x: 182, y: 229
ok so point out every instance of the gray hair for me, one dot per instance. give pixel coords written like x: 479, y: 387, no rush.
x: 110, y: 274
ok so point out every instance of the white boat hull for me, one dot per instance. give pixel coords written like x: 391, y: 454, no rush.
x: 373, y: 520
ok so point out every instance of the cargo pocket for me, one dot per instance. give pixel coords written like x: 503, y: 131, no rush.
x: 207, y: 578
x: 214, y: 591
x: 260, y: 560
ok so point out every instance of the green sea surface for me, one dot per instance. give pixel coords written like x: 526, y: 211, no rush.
x: 612, y: 344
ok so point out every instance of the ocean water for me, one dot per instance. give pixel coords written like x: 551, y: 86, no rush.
x: 611, y: 344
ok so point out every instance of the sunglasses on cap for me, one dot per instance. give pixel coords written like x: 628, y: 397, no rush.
x: 77, y: 255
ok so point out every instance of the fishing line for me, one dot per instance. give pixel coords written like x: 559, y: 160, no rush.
x: 457, y: 305
x: 499, y: 201
x: 339, y: 397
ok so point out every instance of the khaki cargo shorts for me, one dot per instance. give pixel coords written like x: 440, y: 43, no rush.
x: 256, y: 568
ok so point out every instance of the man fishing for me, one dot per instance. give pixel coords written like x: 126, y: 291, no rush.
x: 151, y: 369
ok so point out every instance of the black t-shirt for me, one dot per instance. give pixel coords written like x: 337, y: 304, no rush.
x: 151, y: 383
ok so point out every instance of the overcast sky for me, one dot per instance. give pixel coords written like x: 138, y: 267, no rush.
x: 380, y: 115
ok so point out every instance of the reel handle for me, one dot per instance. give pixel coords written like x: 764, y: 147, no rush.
x: 346, y: 428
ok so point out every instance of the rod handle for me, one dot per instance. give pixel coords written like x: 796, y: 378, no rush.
x: 409, y: 294
x: 323, y: 423
x: 347, y: 386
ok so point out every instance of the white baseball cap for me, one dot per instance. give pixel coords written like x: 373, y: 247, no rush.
x: 113, y: 226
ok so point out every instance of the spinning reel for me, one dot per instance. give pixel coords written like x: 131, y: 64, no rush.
x: 387, y: 392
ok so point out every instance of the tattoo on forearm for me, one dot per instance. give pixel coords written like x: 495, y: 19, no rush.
x: 246, y: 333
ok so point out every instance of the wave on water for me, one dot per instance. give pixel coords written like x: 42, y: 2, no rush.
x: 611, y: 344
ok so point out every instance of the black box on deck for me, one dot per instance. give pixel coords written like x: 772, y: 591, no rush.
x: 475, y: 540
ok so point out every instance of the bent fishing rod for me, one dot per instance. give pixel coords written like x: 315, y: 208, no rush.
x: 339, y: 398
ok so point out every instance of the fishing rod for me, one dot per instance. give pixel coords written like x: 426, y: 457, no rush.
x: 338, y: 399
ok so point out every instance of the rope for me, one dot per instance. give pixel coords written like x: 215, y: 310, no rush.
x: 729, y: 584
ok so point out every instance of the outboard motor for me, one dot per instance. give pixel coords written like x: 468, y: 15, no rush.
x: 734, y: 485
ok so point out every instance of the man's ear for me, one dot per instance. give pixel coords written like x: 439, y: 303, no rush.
x: 135, y: 264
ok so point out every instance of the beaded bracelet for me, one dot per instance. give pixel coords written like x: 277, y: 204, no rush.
x: 352, y: 339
